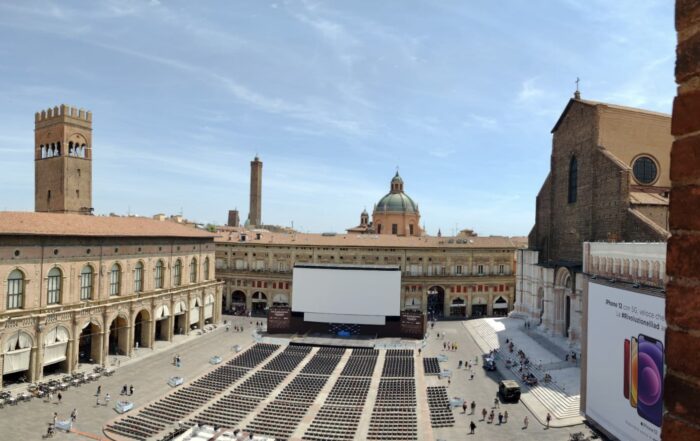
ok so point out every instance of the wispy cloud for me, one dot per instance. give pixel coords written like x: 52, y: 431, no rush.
x: 529, y: 91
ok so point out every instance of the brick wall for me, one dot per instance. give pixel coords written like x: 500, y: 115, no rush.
x: 682, y: 396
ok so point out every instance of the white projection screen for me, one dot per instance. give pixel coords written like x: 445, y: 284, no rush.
x: 355, y: 294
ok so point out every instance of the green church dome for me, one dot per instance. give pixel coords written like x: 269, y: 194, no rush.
x: 397, y: 202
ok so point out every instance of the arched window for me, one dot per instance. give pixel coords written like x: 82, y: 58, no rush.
x: 193, y: 270
x: 86, y: 283
x: 573, y: 179
x: 115, y: 278
x: 138, y: 277
x: 206, y: 269
x: 15, y: 290
x: 53, y: 287
x: 160, y: 275
x: 177, y: 273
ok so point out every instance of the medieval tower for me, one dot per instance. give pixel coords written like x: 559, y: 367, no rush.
x: 254, y: 215
x: 63, y: 160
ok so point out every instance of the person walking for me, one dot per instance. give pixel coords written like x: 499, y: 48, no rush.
x: 107, y: 398
x: 464, y: 407
x: 500, y: 418
x: 505, y: 416
x: 484, y: 412
x: 55, y: 417
x: 496, y: 403
x: 492, y: 415
x: 50, y: 397
x: 473, y: 407
x: 472, y: 426
x: 471, y: 377
x: 74, y: 415
x: 99, y: 390
x: 59, y: 397
x: 131, y: 390
x: 123, y: 392
x: 549, y: 418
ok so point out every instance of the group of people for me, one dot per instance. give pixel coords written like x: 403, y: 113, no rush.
x: 108, y: 397
x: 127, y: 390
x: 52, y: 426
x: 449, y: 346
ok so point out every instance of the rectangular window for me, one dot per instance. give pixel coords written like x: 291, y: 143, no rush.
x: 159, y: 276
x: 114, y: 283
x: 394, y: 229
x: 410, y: 229
x: 501, y: 269
x: 15, y: 288
x: 138, y: 279
x: 480, y: 270
x: 458, y: 270
x: 54, y: 290
x: 86, y: 285
x: 177, y: 274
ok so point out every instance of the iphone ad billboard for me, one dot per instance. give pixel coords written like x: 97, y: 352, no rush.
x: 625, y: 363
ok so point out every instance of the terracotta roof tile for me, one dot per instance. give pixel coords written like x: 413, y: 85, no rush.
x: 58, y: 224
x: 373, y: 240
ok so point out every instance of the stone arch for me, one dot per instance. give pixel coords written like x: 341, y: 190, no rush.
x: 209, y: 308
x: 436, y: 301
x: 142, y: 328
x: 90, y: 341
x: 17, y: 352
x: 195, y: 306
x: 259, y: 303
x: 180, y: 325
x: 458, y: 307
x: 55, y: 350
x: 119, y: 334
x: 280, y: 299
x: 500, y: 305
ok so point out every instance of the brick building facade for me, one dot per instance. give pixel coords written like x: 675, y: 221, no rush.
x: 608, y: 181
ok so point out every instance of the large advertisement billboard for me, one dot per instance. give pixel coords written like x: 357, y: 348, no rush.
x: 625, y: 362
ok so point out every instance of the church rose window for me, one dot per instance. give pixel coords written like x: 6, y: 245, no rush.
x: 645, y: 170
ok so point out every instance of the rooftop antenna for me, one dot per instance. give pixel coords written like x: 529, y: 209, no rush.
x: 577, y: 94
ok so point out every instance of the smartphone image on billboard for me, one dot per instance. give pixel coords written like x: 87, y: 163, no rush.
x: 633, y: 372
x: 650, y: 379
x: 626, y: 374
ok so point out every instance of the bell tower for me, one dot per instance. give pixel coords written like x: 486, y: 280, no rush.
x: 63, y: 160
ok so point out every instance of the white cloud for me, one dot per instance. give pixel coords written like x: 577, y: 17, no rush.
x: 528, y: 90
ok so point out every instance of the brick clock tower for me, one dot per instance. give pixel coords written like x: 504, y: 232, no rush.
x: 63, y: 160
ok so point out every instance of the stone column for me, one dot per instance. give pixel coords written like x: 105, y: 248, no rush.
x: 2, y: 367
x: 151, y: 337
x: 130, y: 342
x: 73, y: 364
x: 35, y: 369
x: 187, y: 316
x: 102, y: 353
x: 489, y: 304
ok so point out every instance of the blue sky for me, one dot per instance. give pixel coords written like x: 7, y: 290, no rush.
x: 333, y: 96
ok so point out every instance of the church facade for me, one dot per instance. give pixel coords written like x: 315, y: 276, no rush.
x: 608, y: 182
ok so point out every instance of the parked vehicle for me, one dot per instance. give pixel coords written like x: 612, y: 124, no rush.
x: 509, y: 390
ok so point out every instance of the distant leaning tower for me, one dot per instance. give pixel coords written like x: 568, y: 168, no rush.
x: 63, y: 160
x: 254, y: 214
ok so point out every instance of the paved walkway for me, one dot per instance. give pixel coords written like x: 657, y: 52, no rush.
x: 148, y: 371
x: 560, y: 397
